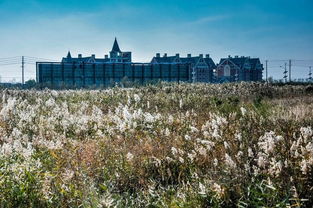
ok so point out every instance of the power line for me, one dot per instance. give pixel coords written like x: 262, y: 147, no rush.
x: 302, y: 66
x: 311, y: 60
x: 15, y: 77
x: 26, y: 58
x: 276, y: 60
x: 37, y: 58
x: 12, y: 60
x: 10, y: 57
x: 9, y: 64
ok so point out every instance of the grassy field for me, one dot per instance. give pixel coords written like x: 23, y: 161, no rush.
x: 168, y: 145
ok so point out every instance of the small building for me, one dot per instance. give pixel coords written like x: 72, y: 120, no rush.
x: 239, y: 69
x: 201, y: 67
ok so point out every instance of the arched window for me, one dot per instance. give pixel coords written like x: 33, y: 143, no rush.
x: 227, y: 71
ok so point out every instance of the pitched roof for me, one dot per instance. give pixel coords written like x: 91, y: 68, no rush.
x: 192, y: 60
x: 165, y: 59
x: 69, y: 56
x: 85, y: 60
x: 115, y: 47
x: 240, y: 61
x: 210, y: 62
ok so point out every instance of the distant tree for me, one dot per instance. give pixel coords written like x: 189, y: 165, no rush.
x: 270, y: 80
x: 30, y: 83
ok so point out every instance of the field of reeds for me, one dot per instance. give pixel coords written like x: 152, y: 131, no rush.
x: 167, y: 145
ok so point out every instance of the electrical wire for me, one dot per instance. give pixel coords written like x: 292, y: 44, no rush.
x: 7, y: 64
x: 37, y: 58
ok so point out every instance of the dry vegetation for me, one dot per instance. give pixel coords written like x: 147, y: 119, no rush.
x: 168, y: 145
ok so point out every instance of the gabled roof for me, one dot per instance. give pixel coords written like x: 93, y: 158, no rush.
x: 89, y: 59
x: 240, y: 61
x: 191, y: 60
x: 210, y: 62
x: 102, y: 60
x: 166, y: 59
x: 115, y: 47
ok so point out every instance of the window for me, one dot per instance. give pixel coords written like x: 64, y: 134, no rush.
x: 227, y: 71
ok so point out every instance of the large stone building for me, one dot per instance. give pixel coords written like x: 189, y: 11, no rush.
x: 201, y: 67
x: 100, y: 72
x: 118, y: 67
x: 239, y: 69
x: 116, y: 56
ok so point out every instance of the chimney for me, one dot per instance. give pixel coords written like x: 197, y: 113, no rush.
x: 158, y: 55
x: 106, y: 56
x: 165, y: 55
x: 201, y: 55
x: 93, y: 56
x: 207, y: 56
x: 80, y: 56
x: 177, y: 55
x: 189, y: 55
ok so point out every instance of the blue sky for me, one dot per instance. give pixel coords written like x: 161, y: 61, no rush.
x: 269, y: 29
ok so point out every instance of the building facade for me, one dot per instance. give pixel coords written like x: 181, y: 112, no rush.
x: 118, y: 67
x: 237, y: 68
x: 101, y: 72
x: 201, y: 67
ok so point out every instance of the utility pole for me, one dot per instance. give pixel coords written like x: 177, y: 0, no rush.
x: 266, y: 70
x: 23, y: 64
x: 285, y: 73
x: 289, y: 70
x: 310, y: 74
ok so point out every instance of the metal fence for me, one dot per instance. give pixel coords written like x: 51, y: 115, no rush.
x: 13, y: 69
x: 56, y: 74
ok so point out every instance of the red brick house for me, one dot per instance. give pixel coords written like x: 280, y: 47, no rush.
x: 239, y: 69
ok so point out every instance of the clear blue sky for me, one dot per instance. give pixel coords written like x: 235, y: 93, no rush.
x: 269, y: 29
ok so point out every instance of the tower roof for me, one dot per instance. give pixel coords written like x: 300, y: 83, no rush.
x: 116, y: 48
x: 69, y: 55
